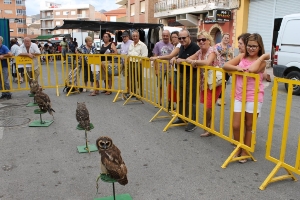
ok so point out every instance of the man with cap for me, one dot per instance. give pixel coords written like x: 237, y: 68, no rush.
x: 124, y: 51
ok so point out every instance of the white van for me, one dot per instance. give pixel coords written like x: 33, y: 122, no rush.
x: 287, y: 55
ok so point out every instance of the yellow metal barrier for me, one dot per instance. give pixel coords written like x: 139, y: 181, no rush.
x: 90, y: 70
x: 280, y: 162
x: 188, y: 93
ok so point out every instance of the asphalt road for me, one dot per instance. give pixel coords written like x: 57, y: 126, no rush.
x: 43, y: 163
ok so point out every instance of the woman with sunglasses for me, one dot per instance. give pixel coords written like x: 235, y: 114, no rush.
x: 207, y: 55
x: 253, y: 61
x: 226, y: 54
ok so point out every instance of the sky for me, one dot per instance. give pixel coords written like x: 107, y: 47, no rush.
x: 33, y: 6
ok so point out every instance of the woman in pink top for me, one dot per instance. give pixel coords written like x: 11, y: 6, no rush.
x: 253, y: 61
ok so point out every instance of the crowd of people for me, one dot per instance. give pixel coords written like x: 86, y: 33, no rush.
x: 177, y: 47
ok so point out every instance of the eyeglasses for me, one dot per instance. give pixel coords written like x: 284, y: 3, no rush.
x: 202, y: 39
x: 183, y: 38
x: 253, y: 47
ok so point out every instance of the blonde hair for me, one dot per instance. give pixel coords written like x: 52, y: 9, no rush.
x: 207, y: 36
x: 88, y: 38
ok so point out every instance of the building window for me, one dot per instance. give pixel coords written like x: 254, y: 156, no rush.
x: 132, y: 11
x: 21, y: 12
x: 7, y: 2
x: 11, y: 30
x: 142, y: 5
x: 8, y: 12
x: 21, y: 21
x: 65, y: 12
x: 58, y: 32
x: 11, y: 20
x: 57, y: 23
x: 22, y: 30
x: 19, y: 2
x: 73, y: 12
x: 57, y: 13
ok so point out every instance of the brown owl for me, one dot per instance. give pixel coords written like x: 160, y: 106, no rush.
x: 43, y: 101
x: 82, y: 116
x: 34, y: 86
x: 111, y: 160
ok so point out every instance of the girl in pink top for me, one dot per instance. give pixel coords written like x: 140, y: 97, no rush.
x: 253, y: 61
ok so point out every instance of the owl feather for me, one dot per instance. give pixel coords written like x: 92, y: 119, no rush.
x: 43, y: 101
x: 82, y: 116
x: 111, y: 160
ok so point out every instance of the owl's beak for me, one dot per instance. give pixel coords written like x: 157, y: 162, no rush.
x: 105, y: 146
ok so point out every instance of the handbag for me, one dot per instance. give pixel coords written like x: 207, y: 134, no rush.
x: 116, y: 70
x: 218, y: 80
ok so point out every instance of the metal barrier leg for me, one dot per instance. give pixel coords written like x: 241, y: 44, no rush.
x: 117, y: 96
x: 271, y: 179
x: 160, y: 117
x: 57, y: 91
x: 233, y: 158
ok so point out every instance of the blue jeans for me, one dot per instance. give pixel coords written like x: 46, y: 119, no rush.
x: 6, y: 82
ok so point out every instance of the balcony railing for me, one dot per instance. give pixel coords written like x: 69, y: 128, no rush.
x: 82, y: 16
x: 47, y: 17
x: 166, y: 5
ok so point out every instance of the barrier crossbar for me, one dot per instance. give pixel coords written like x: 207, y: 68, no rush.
x: 280, y: 162
x: 89, y: 71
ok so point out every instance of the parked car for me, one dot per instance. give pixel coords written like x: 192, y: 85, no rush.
x: 287, y: 54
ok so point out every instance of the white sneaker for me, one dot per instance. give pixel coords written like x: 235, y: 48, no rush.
x: 84, y: 90
x: 64, y: 62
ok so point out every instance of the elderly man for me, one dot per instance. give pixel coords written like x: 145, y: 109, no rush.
x: 124, y: 51
x: 4, y: 53
x: 30, y: 50
x: 136, y: 48
x: 162, y: 48
x: 187, y: 49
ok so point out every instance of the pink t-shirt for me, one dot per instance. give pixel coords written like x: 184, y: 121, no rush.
x: 245, y: 64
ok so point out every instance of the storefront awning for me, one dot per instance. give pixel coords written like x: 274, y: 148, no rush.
x: 44, y: 37
x: 95, y: 25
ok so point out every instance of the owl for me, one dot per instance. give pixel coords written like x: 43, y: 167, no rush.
x: 43, y: 101
x: 111, y: 160
x: 34, y: 86
x: 82, y: 116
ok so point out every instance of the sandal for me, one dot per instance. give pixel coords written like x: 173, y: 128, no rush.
x: 268, y: 79
x: 108, y: 93
x: 92, y: 94
x: 206, y: 134
x: 243, y: 161
x: 103, y: 91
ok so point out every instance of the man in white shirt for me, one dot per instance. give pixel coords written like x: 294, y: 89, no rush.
x: 32, y: 51
x: 136, y: 48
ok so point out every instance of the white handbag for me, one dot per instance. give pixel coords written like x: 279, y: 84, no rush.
x: 219, y: 77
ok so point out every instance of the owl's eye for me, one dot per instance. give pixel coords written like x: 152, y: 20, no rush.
x: 102, y: 143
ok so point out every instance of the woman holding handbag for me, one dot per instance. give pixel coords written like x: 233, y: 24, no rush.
x: 226, y: 54
x: 207, y: 55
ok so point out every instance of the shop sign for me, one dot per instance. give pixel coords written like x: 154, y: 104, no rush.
x: 223, y: 16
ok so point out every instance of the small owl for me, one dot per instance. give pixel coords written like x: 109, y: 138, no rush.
x: 82, y: 116
x: 111, y: 160
x: 34, y: 86
x: 43, y: 101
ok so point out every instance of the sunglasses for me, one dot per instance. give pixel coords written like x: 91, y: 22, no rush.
x: 182, y: 38
x: 202, y: 39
